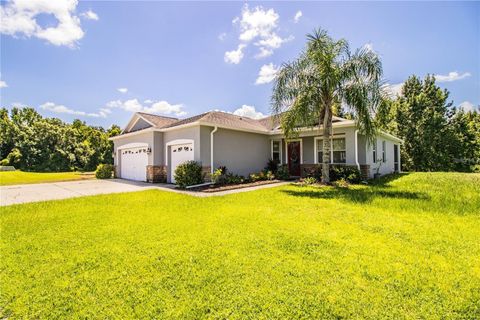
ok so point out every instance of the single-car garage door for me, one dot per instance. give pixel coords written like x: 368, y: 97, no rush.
x: 133, y: 164
x: 180, y: 153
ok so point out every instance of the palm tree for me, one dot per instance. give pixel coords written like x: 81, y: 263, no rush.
x: 328, y: 75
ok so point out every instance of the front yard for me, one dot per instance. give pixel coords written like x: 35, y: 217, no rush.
x: 21, y: 177
x: 405, y: 248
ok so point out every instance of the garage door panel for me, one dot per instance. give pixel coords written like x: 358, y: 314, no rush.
x: 133, y: 164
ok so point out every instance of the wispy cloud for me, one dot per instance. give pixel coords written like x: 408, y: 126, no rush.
x: 267, y: 73
x: 58, y: 108
x: 19, y: 18
x: 3, y: 84
x: 297, y: 16
x: 89, y: 15
x: 122, y: 90
x: 158, y: 107
x: 452, y: 76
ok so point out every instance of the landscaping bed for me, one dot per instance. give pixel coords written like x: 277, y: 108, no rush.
x: 218, y: 188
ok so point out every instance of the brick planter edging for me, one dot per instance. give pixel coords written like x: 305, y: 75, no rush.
x: 156, y: 174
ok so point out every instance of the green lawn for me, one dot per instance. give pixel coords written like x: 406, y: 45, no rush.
x: 21, y: 177
x: 408, y: 247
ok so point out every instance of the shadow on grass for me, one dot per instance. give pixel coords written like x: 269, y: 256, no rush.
x: 377, y: 189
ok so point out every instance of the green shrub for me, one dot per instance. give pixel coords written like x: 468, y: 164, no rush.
x: 282, y: 173
x: 269, y: 175
x: 188, y: 174
x: 350, y: 174
x: 4, y: 162
x: 217, y: 177
x: 104, y: 171
x: 272, y: 166
x: 234, y: 178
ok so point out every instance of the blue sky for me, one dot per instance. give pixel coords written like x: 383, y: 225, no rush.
x: 69, y: 59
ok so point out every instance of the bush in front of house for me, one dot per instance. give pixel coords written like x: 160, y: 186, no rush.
x: 350, y: 174
x: 104, y: 171
x: 282, y: 173
x: 188, y: 174
x: 272, y: 165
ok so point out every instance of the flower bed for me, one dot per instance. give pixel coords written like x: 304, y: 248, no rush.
x: 217, y: 188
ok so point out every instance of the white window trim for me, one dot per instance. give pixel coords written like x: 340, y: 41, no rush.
x: 280, y: 147
x: 301, y: 149
x: 315, y: 153
x: 174, y: 143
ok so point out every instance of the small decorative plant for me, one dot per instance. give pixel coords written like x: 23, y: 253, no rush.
x: 272, y: 165
x: 282, y: 173
x: 309, y: 181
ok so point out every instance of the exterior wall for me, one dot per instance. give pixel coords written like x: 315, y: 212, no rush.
x: 138, y: 138
x: 205, y: 143
x: 387, y: 166
x: 241, y: 152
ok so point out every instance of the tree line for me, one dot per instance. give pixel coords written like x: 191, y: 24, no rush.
x: 31, y: 142
x: 437, y: 136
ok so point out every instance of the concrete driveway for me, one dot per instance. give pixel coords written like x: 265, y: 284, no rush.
x: 63, y: 190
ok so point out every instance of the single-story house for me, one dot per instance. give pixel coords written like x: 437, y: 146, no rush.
x: 152, y: 146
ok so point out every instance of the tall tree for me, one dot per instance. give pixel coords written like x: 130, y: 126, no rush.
x: 420, y: 117
x: 326, y: 76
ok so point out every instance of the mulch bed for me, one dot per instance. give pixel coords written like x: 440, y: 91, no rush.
x: 214, y: 188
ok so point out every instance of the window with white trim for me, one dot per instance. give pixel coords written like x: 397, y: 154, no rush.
x: 319, y: 150
x: 339, y: 150
x: 276, y: 152
x: 375, y: 151
x: 384, y: 154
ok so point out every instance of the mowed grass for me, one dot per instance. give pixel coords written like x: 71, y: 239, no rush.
x: 407, y: 247
x: 21, y: 177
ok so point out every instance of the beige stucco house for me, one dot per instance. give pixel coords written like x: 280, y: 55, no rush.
x: 151, y: 146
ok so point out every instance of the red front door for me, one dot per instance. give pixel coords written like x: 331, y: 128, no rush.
x: 293, y: 154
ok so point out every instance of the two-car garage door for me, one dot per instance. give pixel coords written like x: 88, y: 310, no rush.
x: 133, y: 164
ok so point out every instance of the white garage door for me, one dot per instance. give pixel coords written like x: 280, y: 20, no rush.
x: 133, y: 164
x: 180, y: 153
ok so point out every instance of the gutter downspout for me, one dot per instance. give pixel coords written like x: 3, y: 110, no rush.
x: 211, y: 148
x: 356, y: 150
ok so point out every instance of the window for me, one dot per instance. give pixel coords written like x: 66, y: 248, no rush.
x: 384, y: 154
x: 375, y: 152
x: 339, y: 150
x: 319, y: 151
x: 276, y: 152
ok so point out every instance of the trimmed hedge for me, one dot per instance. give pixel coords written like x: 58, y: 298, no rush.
x: 337, y: 172
x: 188, y: 174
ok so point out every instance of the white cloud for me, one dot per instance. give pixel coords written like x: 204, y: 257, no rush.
x: 90, y: 15
x: 267, y: 73
x: 222, y: 36
x: 18, y: 105
x: 56, y: 108
x: 18, y: 17
x: 248, y: 111
x: 260, y: 26
x: 122, y: 90
x: 452, y: 76
x: 297, y: 16
x: 3, y: 84
x: 468, y: 106
x: 159, y: 107
x: 148, y: 101
x: 393, y: 90
x: 235, y: 56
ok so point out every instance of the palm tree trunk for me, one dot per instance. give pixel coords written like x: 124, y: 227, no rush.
x: 327, y: 133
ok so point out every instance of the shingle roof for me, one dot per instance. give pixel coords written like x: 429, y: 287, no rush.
x: 220, y: 118
x: 158, y: 121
